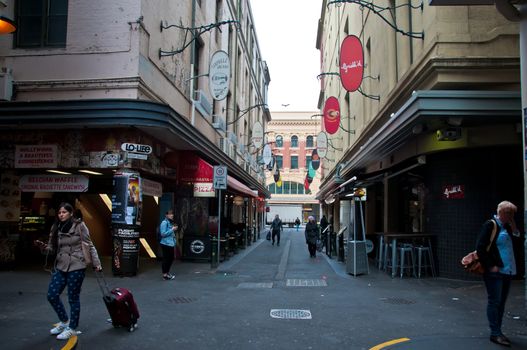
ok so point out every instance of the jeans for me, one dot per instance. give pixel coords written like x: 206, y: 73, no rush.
x: 168, y: 258
x: 277, y: 234
x: 498, y: 286
x: 73, y: 280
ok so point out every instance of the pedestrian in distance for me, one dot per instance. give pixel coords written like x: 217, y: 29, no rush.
x: 324, y: 223
x: 276, y: 229
x: 312, y: 236
x: 297, y: 224
x: 67, y: 237
x: 495, y: 252
x: 167, y: 232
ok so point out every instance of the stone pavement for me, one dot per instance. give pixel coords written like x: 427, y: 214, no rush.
x: 239, y: 305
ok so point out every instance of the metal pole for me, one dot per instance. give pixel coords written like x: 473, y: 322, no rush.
x: 219, y: 228
x: 523, y: 70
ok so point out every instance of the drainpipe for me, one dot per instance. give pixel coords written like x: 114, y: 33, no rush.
x: 192, y: 58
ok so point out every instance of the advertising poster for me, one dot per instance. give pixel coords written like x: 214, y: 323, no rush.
x: 125, y: 250
x: 135, y: 200
x: 119, y: 199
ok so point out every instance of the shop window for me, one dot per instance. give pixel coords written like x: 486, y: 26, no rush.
x: 287, y: 187
x: 41, y: 23
x: 309, y: 141
x: 294, y: 141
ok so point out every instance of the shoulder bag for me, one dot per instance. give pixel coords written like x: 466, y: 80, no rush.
x: 470, y: 262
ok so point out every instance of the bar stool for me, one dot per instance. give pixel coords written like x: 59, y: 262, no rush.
x: 424, y: 260
x: 380, y: 253
x: 406, y: 252
x: 387, y: 263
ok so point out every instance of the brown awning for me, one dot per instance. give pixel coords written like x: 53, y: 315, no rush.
x: 237, y: 186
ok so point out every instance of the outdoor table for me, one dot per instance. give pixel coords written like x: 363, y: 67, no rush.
x: 394, y: 236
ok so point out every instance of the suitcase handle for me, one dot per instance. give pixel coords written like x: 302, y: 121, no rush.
x: 103, y: 284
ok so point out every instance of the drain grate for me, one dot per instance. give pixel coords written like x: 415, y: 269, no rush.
x: 291, y: 314
x: 398, y: 301
x: 181, y: 300
x: 256, y: 285
x: 292, y: 282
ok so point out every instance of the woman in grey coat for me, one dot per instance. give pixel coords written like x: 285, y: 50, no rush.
x: 312, y: 235
x: 67, y: 237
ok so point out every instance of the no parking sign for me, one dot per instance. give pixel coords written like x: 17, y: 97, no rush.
x: 220, y: 177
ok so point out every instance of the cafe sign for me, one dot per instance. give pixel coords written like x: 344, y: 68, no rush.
x: 36, y: 156
x: 219, y: 75
x: 331, y: 115
x: 54, y: 183
x: 351, y: 64
x: 453, y: 191
x: 322, y: 144
x: 203, y: 189
x: 257, y: 137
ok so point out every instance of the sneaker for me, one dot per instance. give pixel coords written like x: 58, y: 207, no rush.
x: 168, y: 277
x: 59, y: 327
x: 66, y: 334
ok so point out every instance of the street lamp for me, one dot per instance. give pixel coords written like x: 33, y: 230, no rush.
x: 7, y: 26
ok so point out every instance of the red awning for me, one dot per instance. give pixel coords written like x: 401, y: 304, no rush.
x: 236, y: 185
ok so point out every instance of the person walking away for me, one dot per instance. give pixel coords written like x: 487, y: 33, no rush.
x: 312, y: 235
x: 297, y: 223
x: 499, y: 264
x: 167, y: 231
x: 276, y: 228
x: 66, y: 238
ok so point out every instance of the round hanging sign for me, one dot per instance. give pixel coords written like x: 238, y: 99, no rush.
x: 315, y: 159
x: 351, y: 64
x: 257, y: 137
x: 267, y: 155
x: 322, y: 144
x: 331, y: 115
x: 219, y: 75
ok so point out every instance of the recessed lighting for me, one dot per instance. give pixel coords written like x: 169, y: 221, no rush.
x: 89, y: 172
x: 58, y: 172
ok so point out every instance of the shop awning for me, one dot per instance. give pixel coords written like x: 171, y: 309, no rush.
x: 237, y: 186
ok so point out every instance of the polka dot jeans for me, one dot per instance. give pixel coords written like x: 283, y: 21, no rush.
x: 59, y: 281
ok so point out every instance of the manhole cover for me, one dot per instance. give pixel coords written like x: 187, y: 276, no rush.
x: 398, y: 301
x: 305, y: 283
x: 291, y: 314
x: 181, y: 300
x: 255, y: 285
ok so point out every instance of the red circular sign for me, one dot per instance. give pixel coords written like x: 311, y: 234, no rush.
x: 331, y: 115
x: 351, y: 63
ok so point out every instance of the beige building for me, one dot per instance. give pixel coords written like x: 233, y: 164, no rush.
x: 97, y: 79
x: 437, y: 113
x: 292, y: 136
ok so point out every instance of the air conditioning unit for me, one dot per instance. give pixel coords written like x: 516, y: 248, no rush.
x: 232, y: 138
x: 202, y: 103
x: 218, y: 122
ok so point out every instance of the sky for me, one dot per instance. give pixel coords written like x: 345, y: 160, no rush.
x: 287, y: 32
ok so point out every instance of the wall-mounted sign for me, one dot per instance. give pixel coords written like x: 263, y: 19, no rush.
x: 54, y: 183
x: 257, y: 136
x: 136, y: 148
x: 331, y: 115
x: 220, y: 177
x: 36, y: 156
x: 322, y: 144
x: 453, y: 191
x: 152, y: 188
x: 351, y: 64
x: 219, y: 75
x: 204, y: 189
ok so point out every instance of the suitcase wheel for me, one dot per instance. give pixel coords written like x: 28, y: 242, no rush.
x: 132, y: 328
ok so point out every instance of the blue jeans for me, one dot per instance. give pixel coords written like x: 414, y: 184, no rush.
x: 59, y: 281
x: 498, y: 286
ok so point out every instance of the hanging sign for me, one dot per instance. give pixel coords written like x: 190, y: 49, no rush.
x: 219, y: 75
x: 315, y: 159
x: 267, y: 154
x: 36, y: 156
x: 54, y: 183
x: 331, y: 115
x: 351, y: 64
x: 257, y: 137
x: 322, y: 144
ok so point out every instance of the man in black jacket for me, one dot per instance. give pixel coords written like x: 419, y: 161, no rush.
x: 276, y: 228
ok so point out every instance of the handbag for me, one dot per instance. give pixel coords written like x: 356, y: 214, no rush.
x: 268, y: 237
x: 471, y: 263
x: 86, y: 252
